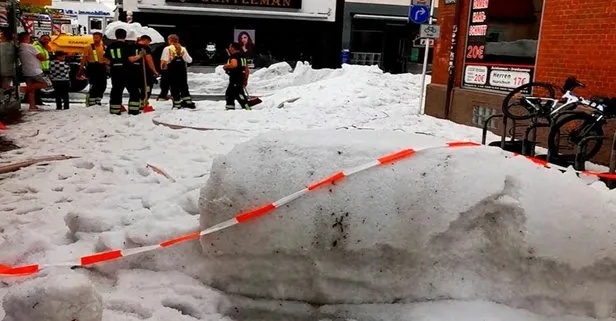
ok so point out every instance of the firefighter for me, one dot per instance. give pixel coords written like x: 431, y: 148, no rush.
x: 42, y: 45
x: 120, y: 55
x: 174, y: 59
x: 237, y: 69
x: 149, y: 71
x: 94, y: 66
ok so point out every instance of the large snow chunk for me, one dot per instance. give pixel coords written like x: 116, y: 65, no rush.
x: 468, y: 223
x: 54, y: 298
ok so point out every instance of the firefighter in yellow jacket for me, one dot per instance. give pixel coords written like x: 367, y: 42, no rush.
x: 94, y: 65
x: 174, y: 60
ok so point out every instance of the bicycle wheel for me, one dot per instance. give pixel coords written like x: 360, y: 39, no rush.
x: 516, y: 109
x: 568, y: 132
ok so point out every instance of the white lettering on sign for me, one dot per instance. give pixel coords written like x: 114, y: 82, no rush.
x: 479, y: 17
x: 476, y: 75
x: 85, y: 12
x: 480, y: 4
x: 480, y: 30
x: 509, y: 79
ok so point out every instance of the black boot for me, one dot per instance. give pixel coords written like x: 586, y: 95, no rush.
x: 189, y: 105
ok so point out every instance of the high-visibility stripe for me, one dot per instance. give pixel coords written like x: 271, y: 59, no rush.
x: 335, y: 177
x: 180, y: 239
x: 255, y: 213
x: 396, y: 156
x: 100, y: 257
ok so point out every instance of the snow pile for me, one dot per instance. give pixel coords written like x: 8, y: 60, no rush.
x: 462, y: 224
x: 352, y: 95
x: 64, y: 297
x: 282, y: 75
x: 133, y: 31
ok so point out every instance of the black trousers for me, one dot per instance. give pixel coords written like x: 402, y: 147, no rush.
x: 61, y: 89
x: 164, y: 84
x: 178, y: 78
x: 235, y: 91
x: 120, y: 79
x: 97, y: 78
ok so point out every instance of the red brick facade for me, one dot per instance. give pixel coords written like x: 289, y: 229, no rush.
x: 577, y: 37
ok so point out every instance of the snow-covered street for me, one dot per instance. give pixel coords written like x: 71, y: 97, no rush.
x: 108, y: 198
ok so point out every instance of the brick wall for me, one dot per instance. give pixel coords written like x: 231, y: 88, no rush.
x: 440, y: 62
x: 578, y: 37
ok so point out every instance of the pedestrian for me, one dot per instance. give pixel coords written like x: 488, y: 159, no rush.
x: 59, y: 73
x: 94, y: 66
x: 120, y: 55
x: 145, y: 71
x: 174, y: 59
x: 237, y: 69
x: 31, y: 69
x: 42, y: 45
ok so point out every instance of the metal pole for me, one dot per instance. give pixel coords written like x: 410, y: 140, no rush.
x: 422, y: 104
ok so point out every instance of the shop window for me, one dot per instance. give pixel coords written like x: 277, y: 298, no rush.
x: 501, y: 45
x: 367, y: 41
x: 96, y: 24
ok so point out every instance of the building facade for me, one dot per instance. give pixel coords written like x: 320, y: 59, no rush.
x: 488, y: 47
x: 378, y: 33
x: 269, y: 30
x: 89, y: 15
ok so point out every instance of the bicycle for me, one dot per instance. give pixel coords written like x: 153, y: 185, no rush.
x: 540, y: 105
x: 580, y: 124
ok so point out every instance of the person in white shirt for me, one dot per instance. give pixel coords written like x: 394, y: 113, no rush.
x: 31, y: 69
x: 174, y: 60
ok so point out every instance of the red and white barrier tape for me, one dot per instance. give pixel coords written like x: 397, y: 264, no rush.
x: 96, y: 258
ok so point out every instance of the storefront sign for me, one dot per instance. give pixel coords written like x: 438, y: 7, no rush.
x: 85, y: 12
x: 482, y: 71
x: 289, y: 4
x: 499, y: 78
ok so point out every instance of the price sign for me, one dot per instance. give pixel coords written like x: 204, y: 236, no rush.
x: 500, y: 78
x: 475, y: 52
x: 476, y: 75
x: 480, y: 4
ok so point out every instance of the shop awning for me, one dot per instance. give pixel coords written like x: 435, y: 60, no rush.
x: 233, y: 12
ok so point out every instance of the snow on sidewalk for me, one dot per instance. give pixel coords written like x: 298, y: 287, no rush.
x: 107, y: 198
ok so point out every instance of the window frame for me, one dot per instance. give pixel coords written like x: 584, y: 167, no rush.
x: 531, y: 69
x: 92, y: 18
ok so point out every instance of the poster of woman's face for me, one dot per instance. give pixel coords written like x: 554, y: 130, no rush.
x: 246, y: 38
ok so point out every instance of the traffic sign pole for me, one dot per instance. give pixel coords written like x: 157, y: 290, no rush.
x: 422, y: 104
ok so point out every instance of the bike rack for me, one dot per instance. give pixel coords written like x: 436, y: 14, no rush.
x: 528, y: 146
x: 503, y: 143
x: 580, y: 162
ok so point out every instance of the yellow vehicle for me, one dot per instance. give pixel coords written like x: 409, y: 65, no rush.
x: 58, y: 27
x: 73, y: 45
